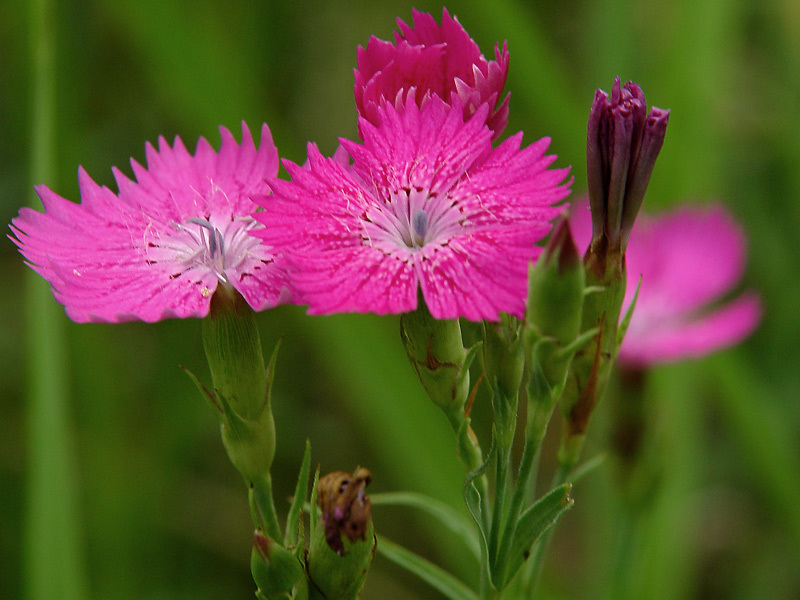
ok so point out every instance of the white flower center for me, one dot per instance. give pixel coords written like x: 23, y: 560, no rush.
x: 411, y: 219
x: 223, y: 247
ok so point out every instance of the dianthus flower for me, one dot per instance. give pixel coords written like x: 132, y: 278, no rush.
x: 433, y: 60
x: 160, y: 247
x: 427, y: 204
x: 687, y: 259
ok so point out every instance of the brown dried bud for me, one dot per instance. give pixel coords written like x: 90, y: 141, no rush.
x: 345, y: 507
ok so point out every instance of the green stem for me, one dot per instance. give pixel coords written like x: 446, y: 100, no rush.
x: 262, y: 507
x: 53, y: 548
x: 503, y: 459
x: 529, y: 453
x: 471, y: 456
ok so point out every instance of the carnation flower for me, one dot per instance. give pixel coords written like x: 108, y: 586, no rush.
x: 688, y: 259
x: 160, y: 247
x: 427, y: 204
x: 429, y: 59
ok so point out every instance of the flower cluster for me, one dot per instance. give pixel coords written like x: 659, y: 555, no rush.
x: 428, y: 206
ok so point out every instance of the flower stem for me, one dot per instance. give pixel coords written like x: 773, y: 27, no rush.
x: 262, y: 507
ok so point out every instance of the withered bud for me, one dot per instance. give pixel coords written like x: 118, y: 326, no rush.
x: 345, y: 507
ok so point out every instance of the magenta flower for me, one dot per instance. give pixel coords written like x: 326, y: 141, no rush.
x: 688, y: 259
x: 160, y: 247
x: 427, y: 204
x: 426, y: 60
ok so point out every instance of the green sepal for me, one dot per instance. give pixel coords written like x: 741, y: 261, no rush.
x: 205, y: 393
x: 294, y: 523
x: 233, y: 350
x: 250, y: 444
x: 531, y: 525
x: 275, y: 569
x: 503, y: 356
x: 436, y: 351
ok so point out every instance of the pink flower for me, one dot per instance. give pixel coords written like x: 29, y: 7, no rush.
x: 427, y: 204
x: 688, y: 259
x: 160, y: 247
x: 426, y: 60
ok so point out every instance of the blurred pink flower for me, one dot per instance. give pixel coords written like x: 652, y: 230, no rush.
x: 688, y: 259
x: 160, y: 247
x: 428, y: 59
x: 427, y: 203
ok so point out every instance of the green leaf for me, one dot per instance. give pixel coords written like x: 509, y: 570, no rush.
x: 313, y: 512
x: 444, y: 513
x: 293, y: 519
x: 434, y: 576
x: 205, y: 392
x: 626, y: 320
x: 533, y: 523
x: 587, y: 467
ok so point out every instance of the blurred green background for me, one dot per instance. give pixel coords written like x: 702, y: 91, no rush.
x: 150, y: 505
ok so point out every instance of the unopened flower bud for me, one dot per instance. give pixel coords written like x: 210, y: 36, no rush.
x: 343, y: 543
x: 275, y: 569
x: 503, y: 359
x: 622, y: 145
x: 555, y: 298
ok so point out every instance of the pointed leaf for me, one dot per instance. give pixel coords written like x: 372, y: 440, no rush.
x: 293, y: 521
x: 313, y: 511
x: 271, y: 371
x: 626, y: 320
x: 587, y: 467
x: 204, y: 391
x: 533, y: 523
x: 444, y: 513
x: 436, y: 577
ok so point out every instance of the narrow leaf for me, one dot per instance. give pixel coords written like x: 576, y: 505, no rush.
x: 444, y: 513
x: 533, y: 523
x: 587, y: 467
x: 205, y: 392
x: 293, y: 519
x: 626, y: 320
x: 313, y: 513
x: 436, y: 577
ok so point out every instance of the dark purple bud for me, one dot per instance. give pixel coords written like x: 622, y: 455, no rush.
x: 652, y: 140
x: 622, y: 144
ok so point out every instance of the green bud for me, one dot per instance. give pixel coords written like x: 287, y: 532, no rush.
x: 241, y: 384
x: 343, y: 542
x: 503, y: 359
x: 275, y: 569
x: 437, y: 354
x: 503, y: 362
x: 555, y: 296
